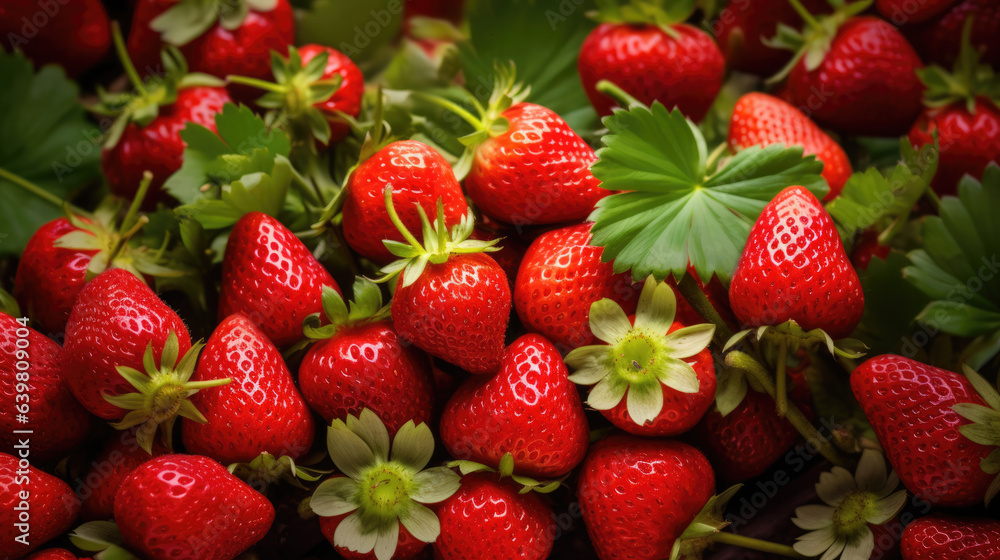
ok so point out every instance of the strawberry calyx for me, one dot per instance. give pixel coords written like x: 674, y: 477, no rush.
x: 638, y: 358
x: 438, y: 243
x: 661, y: 13
x: 985, y: 426
x: 506, y: 470
x: 162, y: 393
x: 189, y: 19
x: 366, y: 307
x: 705, y: 527
x: 731, y: 389
x: 384, y: 484
x: 816, y: 39
x: 266, y: 469
x: 968, y: 81
x: 103, y: 538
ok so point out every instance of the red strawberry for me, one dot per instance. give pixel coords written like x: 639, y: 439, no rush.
x: 35, y: 507
x: 560, y: 276
x: 678, y: 66
x: 509, y: 256
x: 902, y: 12
x: 866, y: 248
x: 75, y: 35
x: 52, y: 554
x: 259, y: 411
x: 942, y: 537
x: 909, y: 405
x: 57, y: 422
x: 529, y: 409
x: 116, y: 461
x: 360, y: 362
x: 408, y: 547
x: 864, y: 84
x: 186, y: 506
x: 212, y: 35
x: 419, y: 176
x: 270, y: 276
x: 939, y: 41
x: 742, y: 27
x: 638, y: 495
x: 489, y: 519
x: 795, y: 244
x: 450, y: 10
x: 760, y: 119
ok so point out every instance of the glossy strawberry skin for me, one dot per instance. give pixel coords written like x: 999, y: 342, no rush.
x: 651, y: 65
x: 347, y: 99
x: 487, y: 519
x: 866, y: 84
x: 419, y: 176
x: 270, y: 276
x: 939, y: 40
x: 530, y: 409
x: 157, y: 147
x: 742, y: 27
x: 407, y: 546
x: 52, y: 554
x: 115, y: 317
x: 560, y: 276
x: 762, y: 119
x: 52, y: 507
x: 638, y: 495
x: 901, y: 12
x: 457, y: 311
x: 968, y: 141
x: 116, y: 461
x: 942, y: 537
x: 909, y: 406
x: 245, y: 51
x: 258, y: 411
x: 794, y: 267
x: 73, y: 34
x: 368, y: 366
x: 537, y: 172
x: 49, y: 278
x: 59, y: 422
x: 187, y: 506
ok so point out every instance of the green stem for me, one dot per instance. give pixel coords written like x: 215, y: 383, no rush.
x: 122, y: 52
x: 725, y: 537
x: 398, y: 222
x: 620, y: 96
x: 259, y: 84
x: 933, y: 198
x: 794, y: 416
x: 133, y: 209
x: 781, y: 397
x: 804, y: 13
x: 699, y: 301
x: 36, y: 190
x: 466, y: 116
x: 713, y: 158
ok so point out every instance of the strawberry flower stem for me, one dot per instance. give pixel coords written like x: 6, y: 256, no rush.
x: 697, y: 298
x: 133, y: 210
x: 804, y: 13
x: 755, y: 544
x: 260, y: 84
x: 122, y: 52
x: 476, y: 122
x: 621, y: 96
x: 781, y: 378
x: 396, y: 221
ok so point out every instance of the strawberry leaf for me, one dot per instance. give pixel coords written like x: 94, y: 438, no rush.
x: 678, y: 211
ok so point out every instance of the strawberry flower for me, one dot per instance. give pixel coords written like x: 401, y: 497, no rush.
x: 842, y: 527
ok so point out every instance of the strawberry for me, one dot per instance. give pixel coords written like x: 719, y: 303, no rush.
x: 419, y: 176
x: 270, y: 276
x: 259, y: 411
x: 674, y: 63
x: 452, y: 301
x: 35, y: 507
x: 909, y: 405
x: 638, y: 495
x: 209, y: 34
x: 653, y: 376
x: 560, y: 276
x: 509, y: 256
x: 116, y: 461
x: 75, y: 35
x: 901, y: 12
x: 529, y: 409
x: 866, y: 248
x: 361, y: 362
x: 939, y: 41
x: 187, y: 506
x: 943, y: 537
x: 858, y: 79
x: 57, y: 423
x: 490, y: 519
x: 743, y: 29
x: 795, y: 244
x: 762, y: 119
x: 52, y: 554
x: 450, y: 10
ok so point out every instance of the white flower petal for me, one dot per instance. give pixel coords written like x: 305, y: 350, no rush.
x: 887, y: 508
x: 388, y: 538
x: 645, y: 404
x: 351, y: 536
x: 607, y: 321
x: 871, y: 473
x: 815, y: 542
x: 861, y: 547
x: 834, y: 551
x: 813, y: 517
x: 834, y: 485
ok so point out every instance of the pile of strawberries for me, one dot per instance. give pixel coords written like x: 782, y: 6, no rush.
x: 682, y: 280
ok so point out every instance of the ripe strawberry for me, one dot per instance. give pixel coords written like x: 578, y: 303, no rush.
x: 943, y: 537
x: 762, y: 119
x: 270, y: 276
x: 901, y: 12
x: 742, y: 28
x: 52, y: 554
x: 35, y: 507
x: 58, y: 423
x: 909, y: 405
x: 489, y: 519
x: 360, y: 362
x: 120, y: 456
x: 795, y: 244
x: 638, y: 495
x: 509, y: 256
x: 529, y: 409
x: 864, y: 82
x: 677, y: 65
x: 939, y: 41
x: 866, y: 248
x: 560, y: 276
x: 75, y: 35
x: 187, y: 506
x: 259, y: 411
x: 217, y: 38
x: 419, y: 176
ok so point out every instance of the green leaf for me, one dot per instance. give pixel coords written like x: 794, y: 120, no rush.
x: 869, y: 199
x: 891, y: 305
x: 48, y: 142
x: 678, y: 212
